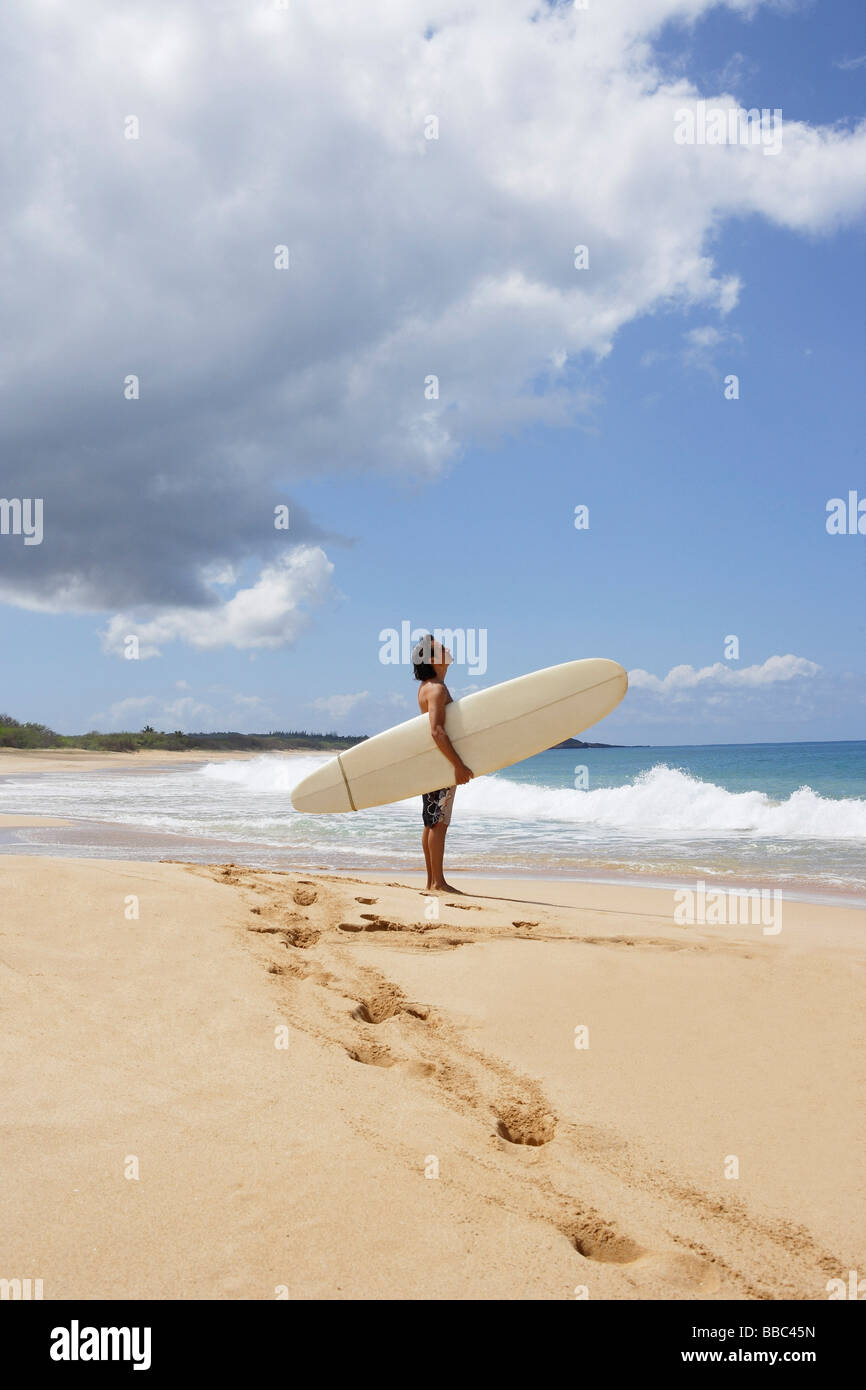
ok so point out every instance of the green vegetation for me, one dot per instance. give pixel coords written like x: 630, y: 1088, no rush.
x: 14, y: 734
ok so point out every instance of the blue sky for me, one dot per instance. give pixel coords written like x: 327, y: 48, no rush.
x: 706, y: 515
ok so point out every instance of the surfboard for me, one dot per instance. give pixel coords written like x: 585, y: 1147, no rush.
x: 490, y: 729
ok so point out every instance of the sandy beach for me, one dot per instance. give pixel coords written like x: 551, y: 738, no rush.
x: 14, y: 761
x: 223, y: 1083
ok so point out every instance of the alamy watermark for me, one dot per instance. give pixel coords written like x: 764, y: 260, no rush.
x: 721, y: 907
x: 846, y: 518
x: 15, y: 1290
x: 467, y: 645
x: 854, y: 1288
x: 77, y: 1343
x: 702, y: 124
x: 22, y: 516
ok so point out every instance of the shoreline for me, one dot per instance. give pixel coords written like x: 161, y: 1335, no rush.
x: 110, y: 838
x: 127, y: 839
x: 22, y: 762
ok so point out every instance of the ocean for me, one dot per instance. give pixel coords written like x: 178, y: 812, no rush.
x: 776, y: 815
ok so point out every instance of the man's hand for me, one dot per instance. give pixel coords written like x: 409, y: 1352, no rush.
x: 463, y: 774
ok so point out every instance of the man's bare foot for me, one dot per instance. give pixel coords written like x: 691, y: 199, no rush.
x: 443, y: 888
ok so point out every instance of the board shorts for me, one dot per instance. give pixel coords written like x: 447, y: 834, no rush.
x: 436, y: 807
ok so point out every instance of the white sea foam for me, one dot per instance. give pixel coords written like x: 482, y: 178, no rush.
x: 265, y: 773
x: 663, y: 799
x: 667, y: 799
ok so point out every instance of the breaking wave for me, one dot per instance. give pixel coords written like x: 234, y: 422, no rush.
x: 663, y: 799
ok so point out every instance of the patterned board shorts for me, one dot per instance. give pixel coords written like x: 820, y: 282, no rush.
x: 436, y: 807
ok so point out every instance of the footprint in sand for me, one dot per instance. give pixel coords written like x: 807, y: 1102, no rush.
x: 525, y: 1122
x: 421, y: 1011
x: 386, y: 1002
x: 683, y: 1273
x: 596, y: 1239
x: 419, y: 1069
x: 305, y: 894
x: 679, y: 1271
x: 368, y: 902
x: 302, y: 937
x: 376, y: 923
x: 371, y: 1054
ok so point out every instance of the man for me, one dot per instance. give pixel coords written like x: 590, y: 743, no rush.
x: 430, y: 661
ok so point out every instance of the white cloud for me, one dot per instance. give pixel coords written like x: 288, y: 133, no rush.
x: 706, y: 337
x: 243, y: 713
x: 338, y: 706
x: 364, y: 712
x: 219, y: 574
x: 735, y: 72
x: 780, y: 698
x: 699, y: 348
x: 271, y: 613
x: 122, y: 708
x: 723, y: 677
x: 409, y: 257
x: 186, y: 713
x: 702, y: 347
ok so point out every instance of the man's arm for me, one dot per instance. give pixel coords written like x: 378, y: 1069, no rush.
x: 436, y: 706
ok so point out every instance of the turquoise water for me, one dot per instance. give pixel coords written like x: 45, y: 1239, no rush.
x: 778, y: 769
x: 776, y: 815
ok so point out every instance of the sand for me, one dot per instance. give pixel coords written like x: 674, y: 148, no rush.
x: 14, y: 761
x: 16, y: 821
x: 429, y: 1130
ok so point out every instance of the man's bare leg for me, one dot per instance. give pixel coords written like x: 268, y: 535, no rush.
x: 425, y: 841
x: 436, y: 843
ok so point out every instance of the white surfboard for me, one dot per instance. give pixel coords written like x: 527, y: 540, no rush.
x: 490, y: 729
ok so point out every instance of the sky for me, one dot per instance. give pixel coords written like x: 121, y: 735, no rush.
x: 324, y: 259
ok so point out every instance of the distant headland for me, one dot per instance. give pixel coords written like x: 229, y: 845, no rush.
x: 579, y: 743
